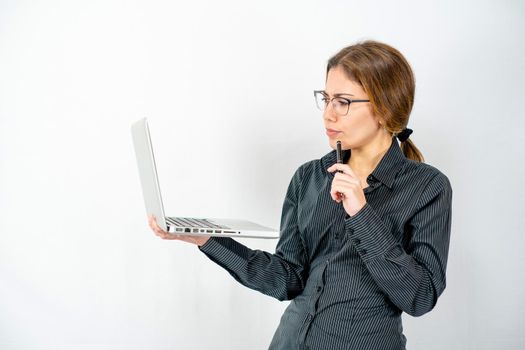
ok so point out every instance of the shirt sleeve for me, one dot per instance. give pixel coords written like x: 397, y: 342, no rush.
x: 413, y: 278
x: 281, y: 275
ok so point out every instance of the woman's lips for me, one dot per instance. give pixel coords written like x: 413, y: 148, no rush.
x: 332, y: 133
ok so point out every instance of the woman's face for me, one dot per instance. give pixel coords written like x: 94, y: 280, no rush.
x: 359, y: 126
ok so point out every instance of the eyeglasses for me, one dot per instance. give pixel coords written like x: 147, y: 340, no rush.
x: 340, y: 105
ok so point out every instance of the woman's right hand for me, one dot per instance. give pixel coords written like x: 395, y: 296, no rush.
x: 197, y: 240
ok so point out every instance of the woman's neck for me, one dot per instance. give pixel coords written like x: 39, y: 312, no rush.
x: 364, y: 160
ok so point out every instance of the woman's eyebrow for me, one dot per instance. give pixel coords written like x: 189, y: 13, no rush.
x: 338, y: 94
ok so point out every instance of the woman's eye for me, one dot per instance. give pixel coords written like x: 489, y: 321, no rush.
x: 340, y: 102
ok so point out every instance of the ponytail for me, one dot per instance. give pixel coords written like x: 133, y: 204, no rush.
x: 411, y: 151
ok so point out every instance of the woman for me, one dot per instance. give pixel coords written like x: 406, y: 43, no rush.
x: 361, y: 241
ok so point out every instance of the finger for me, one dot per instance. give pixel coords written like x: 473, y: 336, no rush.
x: 345, y: 183
x: 342, y: 188
x: 335, y: 193
x: 152, y: 222
x: 340, y: 179
x: 345, y: 178
x: 165, y: 235
x: 337, y: 166
x: 345, y: 168
x: 157, y: 229
x: 156, y: 226
x: 159, y: 233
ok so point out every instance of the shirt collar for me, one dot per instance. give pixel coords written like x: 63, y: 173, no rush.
x: 384, y: 172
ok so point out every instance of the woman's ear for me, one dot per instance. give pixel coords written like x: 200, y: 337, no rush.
x: 380, y: 121
x: 382, y: 125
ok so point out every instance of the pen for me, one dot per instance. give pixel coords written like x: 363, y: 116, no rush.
x: 339, y: 156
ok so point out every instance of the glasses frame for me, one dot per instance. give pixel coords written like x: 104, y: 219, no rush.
x: 350, y: 101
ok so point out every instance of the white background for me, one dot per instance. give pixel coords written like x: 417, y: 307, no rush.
x: 227, y: 87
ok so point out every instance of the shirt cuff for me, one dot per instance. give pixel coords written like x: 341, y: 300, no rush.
x: 226, y: 251
x: 208, y: 245
x: 369, y: 234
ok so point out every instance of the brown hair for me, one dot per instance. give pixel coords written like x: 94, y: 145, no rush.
x: 387, y: 79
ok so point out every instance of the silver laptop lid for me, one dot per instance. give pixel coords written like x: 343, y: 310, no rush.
x: 148, y: 171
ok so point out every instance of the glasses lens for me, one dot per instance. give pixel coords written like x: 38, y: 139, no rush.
x: 321, y: 101
x: 340, y: 106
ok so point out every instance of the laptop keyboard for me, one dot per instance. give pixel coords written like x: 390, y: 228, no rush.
x: 197, y: 223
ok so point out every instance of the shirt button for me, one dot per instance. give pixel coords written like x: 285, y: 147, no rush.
x: 370, y: 178
x: 363, y: 251
x: 319, y: 288
x: 357, y: 241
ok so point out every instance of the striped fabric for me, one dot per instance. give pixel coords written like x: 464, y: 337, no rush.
x: 350, y: 278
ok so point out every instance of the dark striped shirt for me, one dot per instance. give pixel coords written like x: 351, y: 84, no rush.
x: 350, y: 278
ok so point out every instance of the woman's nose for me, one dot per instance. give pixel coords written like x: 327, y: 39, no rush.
x: 329, y: 113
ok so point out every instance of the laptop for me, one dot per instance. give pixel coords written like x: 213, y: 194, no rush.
x: 183, y: 225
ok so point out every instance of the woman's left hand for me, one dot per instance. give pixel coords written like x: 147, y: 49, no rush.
x: 347, y: 184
